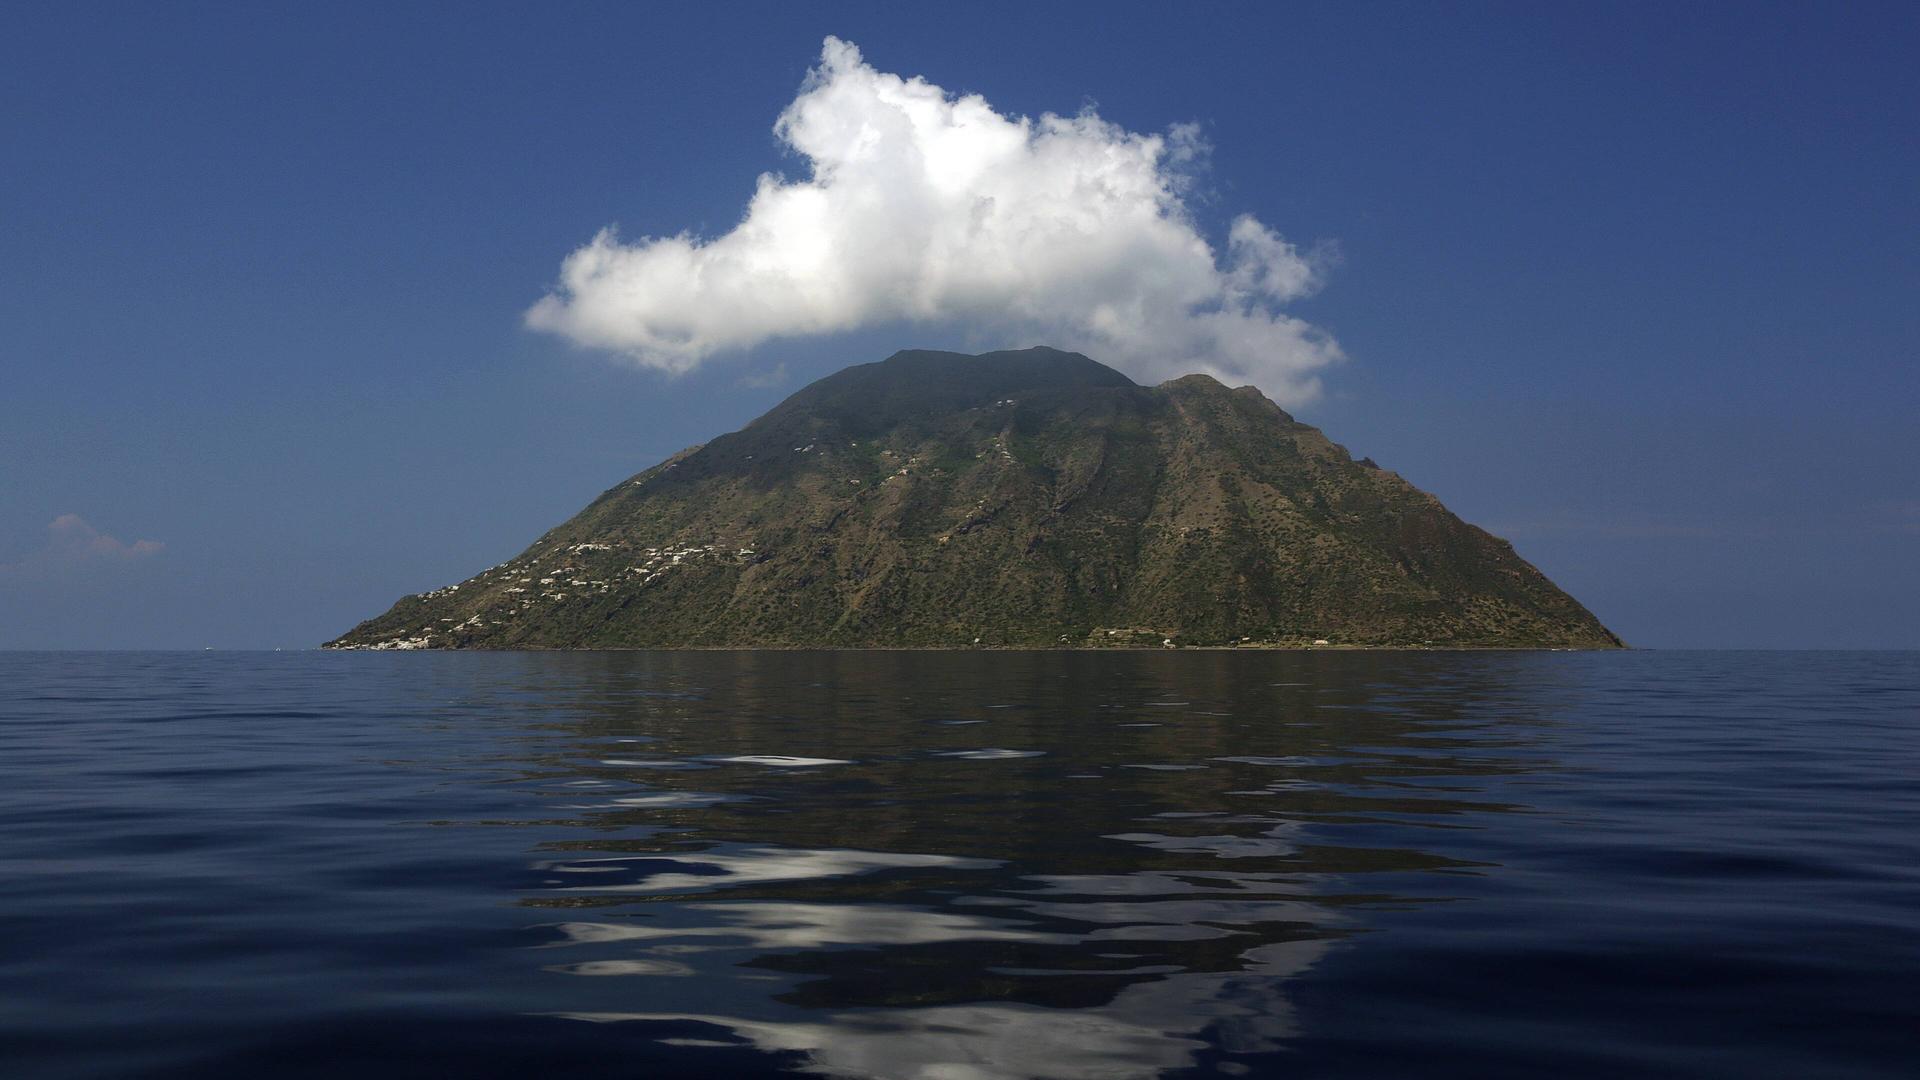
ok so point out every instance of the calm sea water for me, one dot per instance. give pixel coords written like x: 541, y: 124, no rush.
x: 958, y: 866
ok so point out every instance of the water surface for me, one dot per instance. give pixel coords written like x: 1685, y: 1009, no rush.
x: 961, y: 866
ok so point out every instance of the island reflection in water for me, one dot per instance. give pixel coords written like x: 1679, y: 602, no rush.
x: 1115, y: 888
x: 960, y: 865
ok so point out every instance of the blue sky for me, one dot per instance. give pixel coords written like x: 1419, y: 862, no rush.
x: 1636, y: 286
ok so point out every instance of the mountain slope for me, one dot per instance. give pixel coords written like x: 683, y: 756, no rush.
x: 1029, y: 498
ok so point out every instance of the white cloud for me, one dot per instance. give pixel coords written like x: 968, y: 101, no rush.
x: 763, y: 380
x: 925, y: 207
x: 72, y: 543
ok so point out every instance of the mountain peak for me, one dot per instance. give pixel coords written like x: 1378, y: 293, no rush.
x: 1197, y: 381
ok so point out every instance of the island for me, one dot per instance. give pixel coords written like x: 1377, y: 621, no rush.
x: 1019, y: 499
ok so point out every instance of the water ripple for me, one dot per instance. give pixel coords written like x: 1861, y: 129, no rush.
x: 747, y: 864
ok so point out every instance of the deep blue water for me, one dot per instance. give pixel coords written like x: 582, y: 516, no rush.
x: 960, y: 866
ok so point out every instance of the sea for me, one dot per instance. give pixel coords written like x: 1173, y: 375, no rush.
x: 976, y: 865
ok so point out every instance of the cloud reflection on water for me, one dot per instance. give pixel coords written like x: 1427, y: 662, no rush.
x: 1107, y: 902
x: 810, y: 926
x: 747, y: 866
x: 1148, y: 1029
